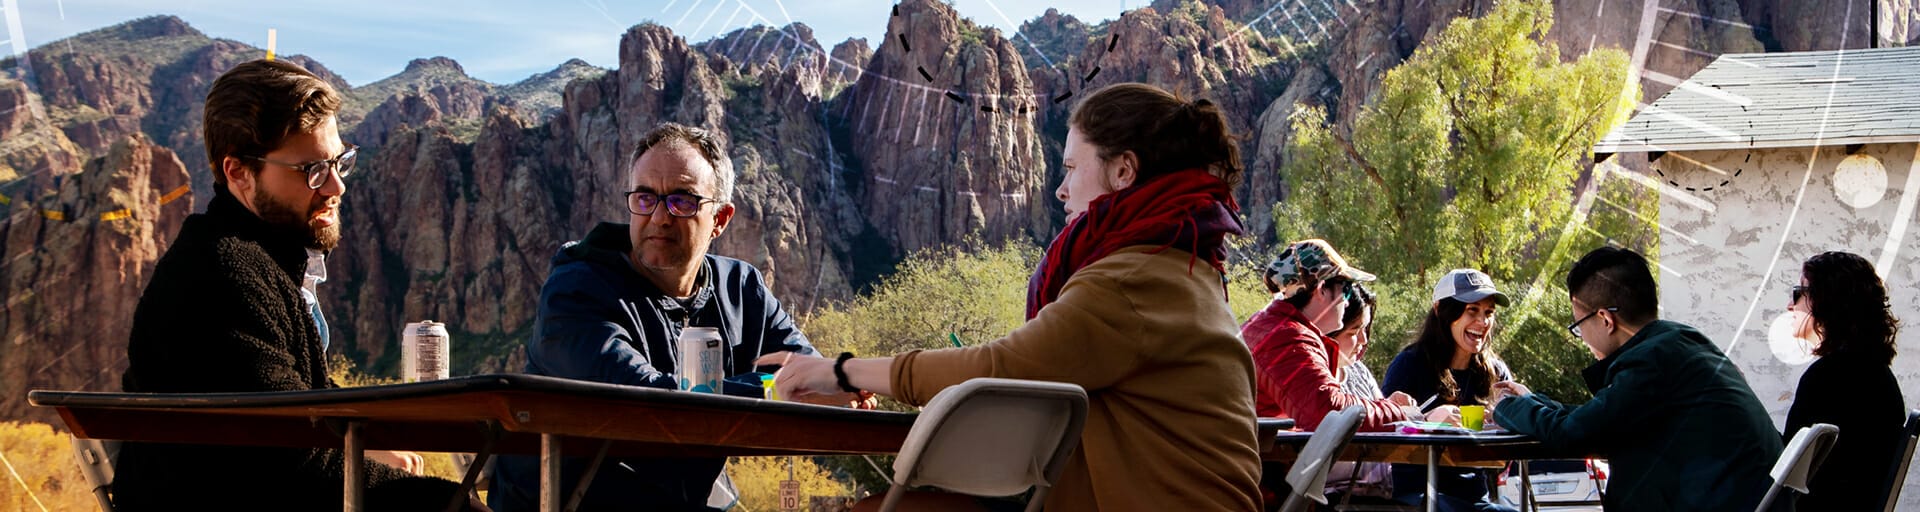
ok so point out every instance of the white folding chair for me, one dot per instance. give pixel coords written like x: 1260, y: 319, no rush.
x: 1308, y: 476
x: 96, y: 464
x: 1897, y: 477
x: 1802, y: 457
x: 991, y: 437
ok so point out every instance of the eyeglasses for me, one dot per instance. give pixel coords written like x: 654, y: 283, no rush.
x: 1575, y: 326
x: 679, y: 204
x: 1798, y: 293
x: 316, y: 170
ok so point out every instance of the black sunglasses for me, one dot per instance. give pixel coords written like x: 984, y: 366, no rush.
x: 316, y: 170
x: 679, y: 204
x: 1798, y: 293
x: 1575, y: 326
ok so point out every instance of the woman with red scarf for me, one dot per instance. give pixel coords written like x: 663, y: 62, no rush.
x: 1129, y: 303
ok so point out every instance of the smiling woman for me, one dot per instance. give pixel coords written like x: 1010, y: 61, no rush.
x: 1451, y: 361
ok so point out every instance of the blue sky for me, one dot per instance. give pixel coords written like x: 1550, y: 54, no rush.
x: 501, y: 41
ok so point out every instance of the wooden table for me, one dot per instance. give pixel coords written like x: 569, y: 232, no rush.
x: 1433, y: 450
x: 494, y: 414
x: 486, y: 414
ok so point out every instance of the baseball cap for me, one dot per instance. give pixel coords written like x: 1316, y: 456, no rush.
x: 1469, y: 286
x: 1306, y: 263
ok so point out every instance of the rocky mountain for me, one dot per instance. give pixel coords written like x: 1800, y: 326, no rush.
x: 849, y: 157
x: 539, y: 96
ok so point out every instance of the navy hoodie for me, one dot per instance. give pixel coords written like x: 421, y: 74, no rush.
x: 601, y: 321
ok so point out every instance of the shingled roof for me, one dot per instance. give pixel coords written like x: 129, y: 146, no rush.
x: 1776, y: 100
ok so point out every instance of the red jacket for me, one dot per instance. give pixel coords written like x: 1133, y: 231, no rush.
x: 1293, y: 372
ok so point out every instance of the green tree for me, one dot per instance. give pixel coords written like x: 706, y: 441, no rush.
x: 1471, y: 155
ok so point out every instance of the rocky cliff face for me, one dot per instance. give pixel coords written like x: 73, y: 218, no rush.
x: 76, y: 258
x: 942, y: 129
x: 848, y: 158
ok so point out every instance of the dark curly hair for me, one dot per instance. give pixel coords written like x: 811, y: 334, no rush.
x: 1850, y: 307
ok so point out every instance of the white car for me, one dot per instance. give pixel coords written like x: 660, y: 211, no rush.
x: 1558, y: 483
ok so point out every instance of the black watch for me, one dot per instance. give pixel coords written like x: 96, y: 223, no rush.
x: 840, y: 372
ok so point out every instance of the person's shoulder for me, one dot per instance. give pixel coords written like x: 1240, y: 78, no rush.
x: 1151, y: 267
x: 582, y: 276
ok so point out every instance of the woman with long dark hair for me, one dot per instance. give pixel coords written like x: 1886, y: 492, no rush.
x: 1129, y: 302
x: 1448, y: 365
x: 1848, y: 317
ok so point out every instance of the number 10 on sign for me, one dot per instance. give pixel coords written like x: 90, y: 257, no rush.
x: 789, y: 495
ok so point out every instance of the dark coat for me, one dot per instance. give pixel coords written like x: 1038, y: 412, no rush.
x: 1673, y: 416
x: 1858, y: 393
x: 600, y: 320
x: 223, y: 313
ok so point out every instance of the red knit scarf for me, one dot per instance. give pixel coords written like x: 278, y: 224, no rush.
x: 1190, y: 210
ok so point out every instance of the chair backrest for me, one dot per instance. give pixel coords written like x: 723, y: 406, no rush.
x: 993, y: 437
x: 1308, y: 476
x: 96, y: 464
x: 1797, y: 463
x: 1897, y: 475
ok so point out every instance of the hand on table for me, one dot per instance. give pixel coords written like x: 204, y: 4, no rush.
x: 1401, y: 398
x: 806, y: 378
x: 1447, y: 414
x: 409, y: 462
x: 1505, y: 388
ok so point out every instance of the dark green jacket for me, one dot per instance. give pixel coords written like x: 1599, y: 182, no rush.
x: 1673, y: 416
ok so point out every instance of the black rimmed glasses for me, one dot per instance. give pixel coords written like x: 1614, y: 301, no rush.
x: 1575, y: 326
x: 317, y: 170
x: 679, y: 204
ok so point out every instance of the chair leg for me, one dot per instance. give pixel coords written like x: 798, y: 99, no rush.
x: 892, y: 500
x: 1039, y: 499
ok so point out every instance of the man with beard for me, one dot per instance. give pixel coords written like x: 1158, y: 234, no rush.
x: 616, y: 302
x: 232, y: 308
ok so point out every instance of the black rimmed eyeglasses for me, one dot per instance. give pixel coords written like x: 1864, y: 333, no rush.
x: 1575, y: 326
x: 679, y: 204
x: 317, y: 170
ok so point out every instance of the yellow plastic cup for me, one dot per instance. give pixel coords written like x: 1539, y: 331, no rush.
x: 766, y: 384
x: 1473, y: 416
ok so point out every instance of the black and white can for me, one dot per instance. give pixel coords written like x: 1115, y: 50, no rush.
x: 423, y: 351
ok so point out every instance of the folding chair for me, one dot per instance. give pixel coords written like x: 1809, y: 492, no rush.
x: 1308, y: 476
x: 1802, y: 457
x: 991, y: 437
x: 1897, y: 476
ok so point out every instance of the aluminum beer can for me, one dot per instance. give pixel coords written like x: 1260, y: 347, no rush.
x: 423, y: 351
x: 700, y: 359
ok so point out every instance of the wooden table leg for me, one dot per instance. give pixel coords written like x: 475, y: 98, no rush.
x: 549, y: 473
x: 586, y: 477
x: 490, y: 433
x: 356, y: 469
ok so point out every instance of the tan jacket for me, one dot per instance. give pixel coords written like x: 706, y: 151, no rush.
x: 1170, y: 422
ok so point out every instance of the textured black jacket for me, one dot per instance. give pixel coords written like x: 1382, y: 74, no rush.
x: 223, y: 313
x: 1859, y: 394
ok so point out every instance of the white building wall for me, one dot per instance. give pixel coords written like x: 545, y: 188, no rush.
x: 1731, y: 255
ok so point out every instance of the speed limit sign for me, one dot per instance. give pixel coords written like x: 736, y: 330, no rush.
x: 790, y: 496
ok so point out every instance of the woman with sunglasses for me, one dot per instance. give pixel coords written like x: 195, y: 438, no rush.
x: 1846, y: 314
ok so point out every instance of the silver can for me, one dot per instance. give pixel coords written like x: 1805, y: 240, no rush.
x: 699, y: 363
x: 423, y: 351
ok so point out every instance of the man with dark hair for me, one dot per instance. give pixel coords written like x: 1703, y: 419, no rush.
x: 617, y: 301
x: 231, y: 307
x: 1669, y: 410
